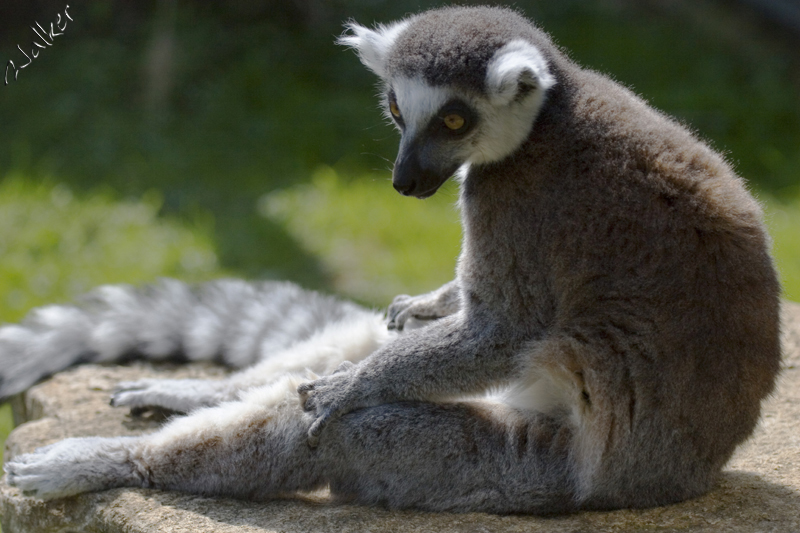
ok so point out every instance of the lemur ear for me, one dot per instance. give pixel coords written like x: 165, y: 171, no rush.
x: 372, y: 45
x: 516, y: 70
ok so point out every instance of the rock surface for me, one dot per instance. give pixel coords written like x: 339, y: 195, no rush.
x: 758, y: 492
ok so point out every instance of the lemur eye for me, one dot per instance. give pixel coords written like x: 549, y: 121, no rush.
x: 454, y: 121
x: 393, y: 109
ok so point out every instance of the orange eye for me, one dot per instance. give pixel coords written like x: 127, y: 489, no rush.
x: 454, y: 121
x: 394, y: 109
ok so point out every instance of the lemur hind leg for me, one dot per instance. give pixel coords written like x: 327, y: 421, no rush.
x: 458, y: 457
x: 437, y: 457
x: 254, y: 448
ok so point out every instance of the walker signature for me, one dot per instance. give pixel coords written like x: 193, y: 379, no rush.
x: 36, y: 46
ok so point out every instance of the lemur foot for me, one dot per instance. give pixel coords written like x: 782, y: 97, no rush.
x: 73, y: 466
x: 180, y: 395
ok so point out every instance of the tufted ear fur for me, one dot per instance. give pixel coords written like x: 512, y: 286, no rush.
x: 516, y: 70
x: 372, y: 45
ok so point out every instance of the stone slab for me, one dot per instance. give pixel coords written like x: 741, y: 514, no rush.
x: 758, y: 492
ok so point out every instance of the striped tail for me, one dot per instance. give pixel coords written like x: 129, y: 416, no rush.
x: 230, y: 322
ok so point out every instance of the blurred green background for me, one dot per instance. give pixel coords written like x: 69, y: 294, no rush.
x: 205, y: 138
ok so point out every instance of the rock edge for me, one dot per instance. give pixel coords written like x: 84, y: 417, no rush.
x: 758, y: 492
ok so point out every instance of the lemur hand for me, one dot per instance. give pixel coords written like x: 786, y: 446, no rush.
x: 420, y: 310
x: 330, y: 397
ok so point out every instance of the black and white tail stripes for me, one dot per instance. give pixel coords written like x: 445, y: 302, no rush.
x: 231, y: 322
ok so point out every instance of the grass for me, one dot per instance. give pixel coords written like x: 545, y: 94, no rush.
x: 783, y: 220
x: 252, y: 106
x: 6, y: 425
x: 372, y: 243
x: 56, y: 245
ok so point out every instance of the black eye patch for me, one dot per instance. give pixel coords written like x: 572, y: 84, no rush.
x: 394, y: 110
x: 453, y: 119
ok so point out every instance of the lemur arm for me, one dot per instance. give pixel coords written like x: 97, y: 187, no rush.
x: 450, y: 357
x: 442, y: 302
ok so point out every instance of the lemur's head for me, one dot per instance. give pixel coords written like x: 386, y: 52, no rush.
x: 463, y: 85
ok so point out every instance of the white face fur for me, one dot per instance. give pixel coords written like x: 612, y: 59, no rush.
x: 516, y: 81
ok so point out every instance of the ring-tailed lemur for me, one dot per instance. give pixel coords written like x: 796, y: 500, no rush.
x: 608, y: 340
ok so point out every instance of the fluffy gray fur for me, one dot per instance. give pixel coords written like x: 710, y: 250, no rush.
x: 231, y: 322
x: 607, y: 342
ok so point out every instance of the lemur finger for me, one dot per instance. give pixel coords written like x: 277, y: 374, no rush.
x: 400, y: 298
x: 398, y: 304
x: 417, y: 312
x: 398, y: 320
x: 306, y: 396
x: 143, y: 393
x: 131, y: 398
x: 318, y: 427
x: 344, y: 366
x: 131, y: 385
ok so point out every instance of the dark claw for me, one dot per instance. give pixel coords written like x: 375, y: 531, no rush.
x: 308, y: 405
x: 316, y: 429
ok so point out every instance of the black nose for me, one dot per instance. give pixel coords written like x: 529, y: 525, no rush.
x: 417, y: 173
x: 407, y: 171
x: 404, y: 187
